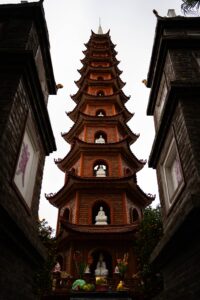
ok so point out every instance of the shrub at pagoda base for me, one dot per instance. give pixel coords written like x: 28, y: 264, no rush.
x: 149, y: 234
x: 43, y: 278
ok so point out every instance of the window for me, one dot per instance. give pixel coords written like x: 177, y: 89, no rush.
x: 100, y: 137
x: 100, y: 169
x: 171, y: 172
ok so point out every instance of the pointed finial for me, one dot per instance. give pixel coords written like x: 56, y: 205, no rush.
x: 100, y: 31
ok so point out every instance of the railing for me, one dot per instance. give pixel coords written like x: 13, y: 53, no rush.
x: 62, y: 282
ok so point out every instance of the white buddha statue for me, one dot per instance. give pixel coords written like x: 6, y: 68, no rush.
x: 100, y: 114
x: 57, y: 268
x: 101, y: 218
x: 100, y: 172
x: 101, y: 269
x: 100, y: 140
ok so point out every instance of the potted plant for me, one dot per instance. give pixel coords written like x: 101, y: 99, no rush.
x: 122, y: 265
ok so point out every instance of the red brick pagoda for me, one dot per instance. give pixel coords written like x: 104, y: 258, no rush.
x: 100, y: 204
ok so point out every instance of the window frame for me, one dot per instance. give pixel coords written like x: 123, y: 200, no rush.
x: 26, y: 190
x: 171, y: 186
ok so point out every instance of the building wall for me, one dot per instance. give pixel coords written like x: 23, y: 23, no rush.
x: 184, y: 114
x: 176, y: 116
x: 22, y: 253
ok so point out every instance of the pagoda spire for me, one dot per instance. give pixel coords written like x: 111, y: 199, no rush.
x: 100, y: 31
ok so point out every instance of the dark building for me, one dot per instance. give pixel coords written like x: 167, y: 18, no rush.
x: 100, y: 203
x: 174, y: 78
x: 26, y: 80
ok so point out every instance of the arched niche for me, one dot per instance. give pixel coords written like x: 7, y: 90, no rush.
x: 96, y: 208
x: 100, y: 137
x: 60, y: 260
x: 66, y: 214
x: 100, y: 113
x: 127, y: 171
x: 107, y: 257
x: 100, y: 93
x: 134, y: 215
x: 100, y: 78
x: 100, y: 169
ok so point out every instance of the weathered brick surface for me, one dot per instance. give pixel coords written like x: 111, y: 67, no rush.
x: 178, y: 251
x: 21, y: 252
x: 111, y: 132
x: 184, y: 115
x: 92, y: 108
x: 184, y: 65
x: 111, y: 160
x: 10, y: 143
x: 181, y: 272
x: 114, y: 201
x: 15, y: 34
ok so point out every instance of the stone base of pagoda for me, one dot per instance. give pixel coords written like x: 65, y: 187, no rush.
x: 91, y: 295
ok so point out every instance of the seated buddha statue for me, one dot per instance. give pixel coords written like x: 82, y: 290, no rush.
x: 101, y: 218
x: 101, y: 269
x: 100, y: 172
x: 100, y: 140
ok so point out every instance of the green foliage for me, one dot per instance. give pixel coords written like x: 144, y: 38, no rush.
x: 43, y: 279
x: 149, y: 234
x: 190, y: 6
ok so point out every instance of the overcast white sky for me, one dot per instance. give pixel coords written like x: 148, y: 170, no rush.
x: 132, y: 26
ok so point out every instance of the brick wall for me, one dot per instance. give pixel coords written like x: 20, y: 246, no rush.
x: 11, y: 40
x: 188, y: 145
x: 185, y: 66
x: 92, y: 108
x: 111, y: 160
x: 114, y: 201
x: 21, y: 251
x: 110, y: 131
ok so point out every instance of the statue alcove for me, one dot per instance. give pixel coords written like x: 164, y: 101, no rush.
x: 107, y: 259
x: 96, y: 209
x: 100, y: 113
x: 100, y: 169
x: 66, y: 214
x: 100, y: 137
x: 59, y: 259
x: 134, y: 215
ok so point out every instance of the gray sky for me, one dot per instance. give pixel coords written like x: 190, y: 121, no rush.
x: 132, y: 26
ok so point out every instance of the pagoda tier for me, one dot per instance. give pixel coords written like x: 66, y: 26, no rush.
x: 81, y: 148
x: 92, y: 232
x: 107, y: 88
x: 100, y: 199
x: 121, y: 186
x: 100, y: 65
x: 111, y: 105
x: 94, y: 77
x: 116, y: 121
x: 94, y: 73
